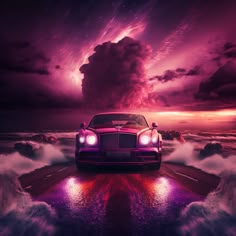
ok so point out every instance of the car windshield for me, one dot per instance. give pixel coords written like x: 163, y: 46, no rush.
x: 118, y: 120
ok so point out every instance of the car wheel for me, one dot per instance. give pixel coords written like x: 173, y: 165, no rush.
x: 78, y: 165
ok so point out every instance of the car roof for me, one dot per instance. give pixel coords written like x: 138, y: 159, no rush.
x: 110, y: 113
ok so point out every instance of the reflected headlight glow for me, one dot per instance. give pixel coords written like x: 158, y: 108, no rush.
x: 162, y: 189
x: 73, y: 190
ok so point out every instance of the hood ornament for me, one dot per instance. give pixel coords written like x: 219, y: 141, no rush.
x: 118, y: 127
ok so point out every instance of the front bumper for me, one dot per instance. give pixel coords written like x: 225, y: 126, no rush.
x: 138, y: 156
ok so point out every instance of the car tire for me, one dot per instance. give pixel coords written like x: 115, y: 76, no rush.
x: 78, y: 165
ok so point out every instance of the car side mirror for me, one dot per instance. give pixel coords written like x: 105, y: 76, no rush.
x: 82, y: 125
x: 154, y: 125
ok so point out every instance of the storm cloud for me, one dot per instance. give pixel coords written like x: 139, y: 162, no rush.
x: 28, y: 78
x: 220, y: 86
x: 115, y: 75
x: 170, y: 75
x: 230, y: 50
x: 167, y: 76
x: 26, y: 90
x: 43, y: 45
x: 22, y: 57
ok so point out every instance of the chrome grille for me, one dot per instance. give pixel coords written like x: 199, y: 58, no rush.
x: 118, y: 140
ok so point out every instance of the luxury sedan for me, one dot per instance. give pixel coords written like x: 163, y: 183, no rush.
x: 118, y: 139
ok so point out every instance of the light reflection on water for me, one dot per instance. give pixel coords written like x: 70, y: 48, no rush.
x: 162, y: 191
x: 157, y: 193
x: 145, y: 199
x: 76, y: 192
x: 84, y: 199
x: 154, y: 199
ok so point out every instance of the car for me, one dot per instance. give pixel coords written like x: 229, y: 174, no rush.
x: 119, y: 139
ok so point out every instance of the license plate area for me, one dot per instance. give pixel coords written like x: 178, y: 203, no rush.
x: 118, y: 154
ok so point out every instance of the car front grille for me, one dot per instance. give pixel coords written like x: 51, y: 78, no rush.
x: 118, y: 140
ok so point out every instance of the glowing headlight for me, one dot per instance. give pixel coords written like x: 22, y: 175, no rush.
x: 81, y: 139
x: 154, y: 139
x: 144, y: 139
x: 91, y: 139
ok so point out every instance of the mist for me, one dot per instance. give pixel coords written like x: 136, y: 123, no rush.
x: 216, y: 215
x: 186, y: 154
x: 18, y: 212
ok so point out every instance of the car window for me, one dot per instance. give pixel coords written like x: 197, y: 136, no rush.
x: 124, y: 120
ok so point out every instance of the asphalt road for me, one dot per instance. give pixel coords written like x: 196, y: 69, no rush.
x: 118, y: 201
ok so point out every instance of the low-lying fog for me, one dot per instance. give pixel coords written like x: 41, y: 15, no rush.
x: 216, y: 215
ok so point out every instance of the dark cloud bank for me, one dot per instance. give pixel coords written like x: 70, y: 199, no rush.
x: 220, y: 86
x: 170, y: 75
x: 115, y: 75
x: 113, y: 78
x: 26, y: 80
x: 42, y: 41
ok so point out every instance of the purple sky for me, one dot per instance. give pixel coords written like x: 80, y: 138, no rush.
x: 176, y: 55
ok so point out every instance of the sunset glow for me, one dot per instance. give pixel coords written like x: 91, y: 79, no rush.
x: 203, y: 114
x: 218, y: 120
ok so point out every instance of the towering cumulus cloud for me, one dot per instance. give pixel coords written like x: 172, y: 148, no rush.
x: 115, y: 75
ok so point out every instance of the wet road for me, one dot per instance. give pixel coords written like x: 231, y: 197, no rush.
x: 118, y: 201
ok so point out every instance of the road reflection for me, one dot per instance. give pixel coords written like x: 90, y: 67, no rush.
x: 162, y: 188
x: 127, y: 202
x: 74, y: 191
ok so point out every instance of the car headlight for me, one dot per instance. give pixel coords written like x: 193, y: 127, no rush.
x: 91, y: 139
x: 149, y: 137
x: 82, y: 139
x: 154, y: 135
x: 87, y: 137
x: 144, y: 139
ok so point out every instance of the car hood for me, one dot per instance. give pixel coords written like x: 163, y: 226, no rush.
x: 116, y: 130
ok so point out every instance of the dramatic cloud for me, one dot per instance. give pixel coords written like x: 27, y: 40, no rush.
x: 194, y: 71
x: 22, y: 57
x: 221, y: 86
x: 226, y: 52
x: 167, y: 76
x: 155, y: 99
x: 115, y: 75
x: 43, y: 45
x: 230, y: 50
x: 33, y: 91
x: 174, y: 88
x: 170, y: 75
